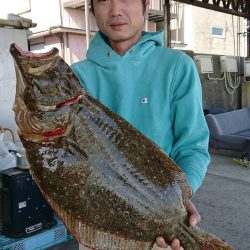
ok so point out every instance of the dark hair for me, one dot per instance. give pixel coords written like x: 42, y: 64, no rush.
x: 143, y: 3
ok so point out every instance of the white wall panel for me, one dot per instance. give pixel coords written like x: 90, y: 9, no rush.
x: 7, y: 75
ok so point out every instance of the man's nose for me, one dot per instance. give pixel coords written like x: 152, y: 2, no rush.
x: 115, y: 8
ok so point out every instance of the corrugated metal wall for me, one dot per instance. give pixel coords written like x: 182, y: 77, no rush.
x: 214, y: 91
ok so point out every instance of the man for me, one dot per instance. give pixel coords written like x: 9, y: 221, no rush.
x: 156, y: 89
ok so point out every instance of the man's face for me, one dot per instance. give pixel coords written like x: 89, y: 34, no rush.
x: 120, y: 20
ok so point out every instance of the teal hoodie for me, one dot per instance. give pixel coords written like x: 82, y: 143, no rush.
x: 158, y: 91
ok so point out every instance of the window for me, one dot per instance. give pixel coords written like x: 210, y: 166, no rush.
x: 218, y: 32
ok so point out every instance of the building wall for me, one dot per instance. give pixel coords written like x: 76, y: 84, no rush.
x: 203, y: 42
x: 14, y: 6
x: 75, y: 18
x: 8, y: 75
x: 72, y: 47
x: 45, y: 14
x: 194, y: 27
x: 76, y: 49
x: 46, y: 43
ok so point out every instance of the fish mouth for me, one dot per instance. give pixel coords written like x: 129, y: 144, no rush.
x: 15, y: 49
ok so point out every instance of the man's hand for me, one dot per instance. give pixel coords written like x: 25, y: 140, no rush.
x: 194, y: 219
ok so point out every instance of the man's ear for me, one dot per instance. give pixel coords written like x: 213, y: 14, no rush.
x: 147, y: 4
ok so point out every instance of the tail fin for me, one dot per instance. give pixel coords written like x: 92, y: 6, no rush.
x: 211, y: 242
x: 198, y: 239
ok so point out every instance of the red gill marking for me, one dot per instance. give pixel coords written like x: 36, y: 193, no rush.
x: 68, y: 102
x: 57, y: 131
x: 205, y: 248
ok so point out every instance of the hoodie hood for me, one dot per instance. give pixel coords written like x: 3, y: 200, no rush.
x: 101, y: 53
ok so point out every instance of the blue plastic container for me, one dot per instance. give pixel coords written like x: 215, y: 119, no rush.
x: 40, y: 241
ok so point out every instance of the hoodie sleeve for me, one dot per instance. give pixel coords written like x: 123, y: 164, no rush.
x: 190, y: 147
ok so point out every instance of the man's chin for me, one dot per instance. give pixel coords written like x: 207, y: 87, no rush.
x: 121, y: 36
x: 118, y: 39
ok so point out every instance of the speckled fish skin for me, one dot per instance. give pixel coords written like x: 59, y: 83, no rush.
x: 112, y: 187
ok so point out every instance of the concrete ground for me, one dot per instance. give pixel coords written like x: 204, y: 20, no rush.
x: 223, y: 202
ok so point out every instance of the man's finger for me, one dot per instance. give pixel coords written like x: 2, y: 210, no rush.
x: 161, y: 242
x: 194, y: 216
x: 175, y: 245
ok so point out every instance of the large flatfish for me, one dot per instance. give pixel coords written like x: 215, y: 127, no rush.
x: 112, y: 187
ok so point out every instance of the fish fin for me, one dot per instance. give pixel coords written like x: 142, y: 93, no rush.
x: 196, y: 238
x: 211, y: 242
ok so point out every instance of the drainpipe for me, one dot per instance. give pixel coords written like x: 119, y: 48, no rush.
x: 87, y: 23
x: 61, y: 37
x: 248, y: 37
x: 167, y: 19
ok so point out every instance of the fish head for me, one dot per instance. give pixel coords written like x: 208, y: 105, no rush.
x: 43, y: 81
x: 46, y: 86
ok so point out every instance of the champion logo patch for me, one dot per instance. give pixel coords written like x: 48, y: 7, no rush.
x: 144, y: 100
